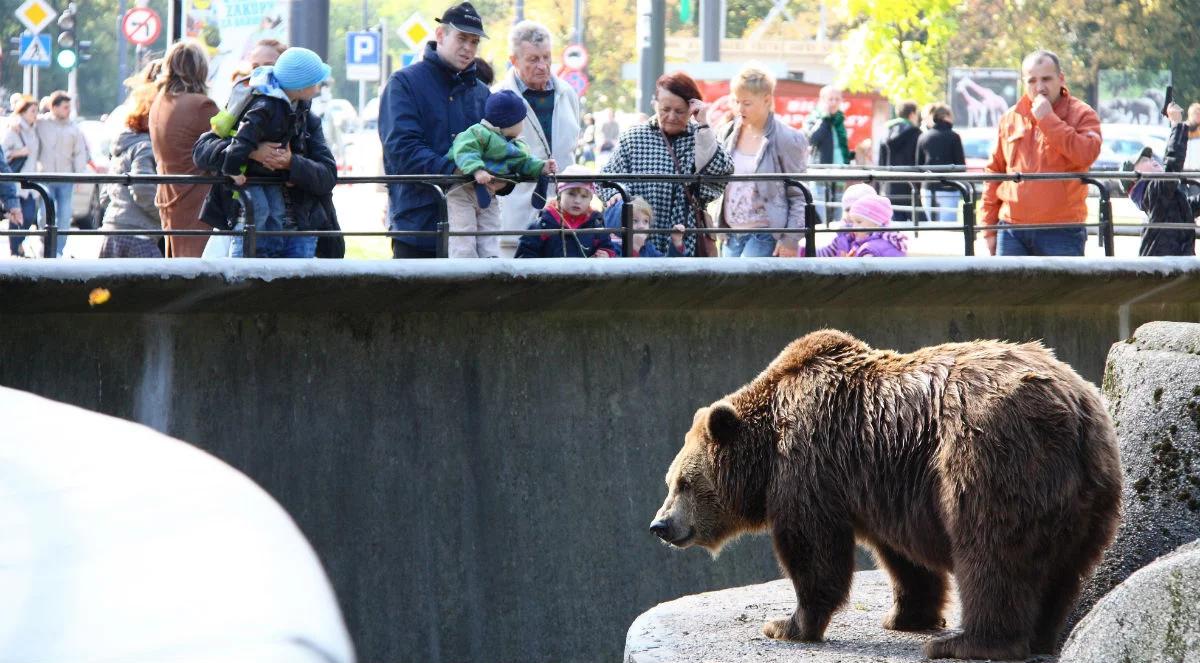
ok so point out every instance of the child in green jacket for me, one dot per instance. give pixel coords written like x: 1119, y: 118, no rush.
x: 491, y: 152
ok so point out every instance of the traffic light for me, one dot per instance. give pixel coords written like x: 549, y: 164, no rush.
x: 68, y: 45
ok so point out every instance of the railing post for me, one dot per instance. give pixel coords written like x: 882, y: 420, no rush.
x: 45, y: 196
x: 249, y: 230
x: 968, y: 213
x: 1105, y: 234
x: 626, y: 215
x: 810, y: 217
x: 443, y: 239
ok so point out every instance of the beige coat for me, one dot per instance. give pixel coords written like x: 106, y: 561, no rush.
x: 176, y: 121
x: 18, y: 135
x: 63, y: 148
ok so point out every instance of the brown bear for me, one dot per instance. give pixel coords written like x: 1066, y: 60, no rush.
x: 992, y: 461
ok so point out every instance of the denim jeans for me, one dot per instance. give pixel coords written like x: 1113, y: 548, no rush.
x: 944, y: 199
x: 1012, y: 241
x: 61, y: 194
x: 29, y: 214
x: 748, y: 245
x: 270, y: 213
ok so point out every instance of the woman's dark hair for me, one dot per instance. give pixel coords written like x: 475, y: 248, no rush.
x: 484, y: 72
x: 679, y: 84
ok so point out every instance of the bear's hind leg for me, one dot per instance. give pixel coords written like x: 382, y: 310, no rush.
x: 1000, y: 601
x: 918, y: 593
x: 1058, y: 598
x: 821, y: 567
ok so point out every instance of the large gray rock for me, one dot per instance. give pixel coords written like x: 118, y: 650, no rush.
x: 726, y: 627
x: 1152, y: 383
x: 1153, y: 616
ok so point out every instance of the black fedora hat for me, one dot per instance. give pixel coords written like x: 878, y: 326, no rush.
x: 464, y: 18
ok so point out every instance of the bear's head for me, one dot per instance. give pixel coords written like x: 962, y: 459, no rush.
x: 710, y: 494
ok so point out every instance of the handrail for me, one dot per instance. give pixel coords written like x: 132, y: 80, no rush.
x: 924, y: 175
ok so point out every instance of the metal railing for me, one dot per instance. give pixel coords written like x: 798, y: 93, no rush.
x: 440, y: 184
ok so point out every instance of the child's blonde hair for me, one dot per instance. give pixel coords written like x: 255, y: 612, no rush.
x: 641, y: 205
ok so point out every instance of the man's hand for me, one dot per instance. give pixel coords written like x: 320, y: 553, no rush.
x: 991, y: 242
x: 1041, y: 107
x: 550, y: 168
x: 15, y: 218
x: 239, y: 180
x: 483, y: 177
x: 1175, y: 113
x: 264, y: 151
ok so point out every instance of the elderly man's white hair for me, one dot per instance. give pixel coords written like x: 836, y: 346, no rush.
x: 527, y: 32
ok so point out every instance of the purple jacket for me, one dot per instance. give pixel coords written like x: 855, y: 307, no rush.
x: 880, y: 244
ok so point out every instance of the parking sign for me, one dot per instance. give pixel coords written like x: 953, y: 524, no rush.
x: 362, y: 56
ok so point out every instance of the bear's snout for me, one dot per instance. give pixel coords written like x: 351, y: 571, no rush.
x: 661, y: 528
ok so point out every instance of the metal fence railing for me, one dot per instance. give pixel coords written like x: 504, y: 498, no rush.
x: 964, y: 183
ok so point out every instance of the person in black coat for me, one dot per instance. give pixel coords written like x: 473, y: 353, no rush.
x: 900, y: 149
x: 1165, y: 201
x: 940, y: 145
x: 310, y: 171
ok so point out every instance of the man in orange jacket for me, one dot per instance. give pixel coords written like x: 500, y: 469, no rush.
x: 1048, y: 131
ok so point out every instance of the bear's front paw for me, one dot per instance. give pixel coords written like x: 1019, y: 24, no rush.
x: 912, y: 621
x: 960, y: 646
x: 786, y: 629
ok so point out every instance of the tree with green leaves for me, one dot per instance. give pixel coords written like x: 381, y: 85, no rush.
x: 896, y: 46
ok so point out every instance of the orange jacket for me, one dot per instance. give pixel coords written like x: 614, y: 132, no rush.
x: 1065, y: 141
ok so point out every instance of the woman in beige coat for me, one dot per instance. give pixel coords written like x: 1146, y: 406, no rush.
x: 179, y: 114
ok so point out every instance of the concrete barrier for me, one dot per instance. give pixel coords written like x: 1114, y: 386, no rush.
x: 475, y: 449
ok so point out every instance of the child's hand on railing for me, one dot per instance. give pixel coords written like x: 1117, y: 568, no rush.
x: 239, y: 180
x: 483, y: 177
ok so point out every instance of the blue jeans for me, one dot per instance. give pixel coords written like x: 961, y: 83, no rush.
x: 933, y: 199
x: 29, y: 214
x: 1012, y: 241
x: 269, y: 212
x: 61, y: 194
x: 748, y: 245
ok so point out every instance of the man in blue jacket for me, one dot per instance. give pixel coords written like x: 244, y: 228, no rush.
x: 424, y: 106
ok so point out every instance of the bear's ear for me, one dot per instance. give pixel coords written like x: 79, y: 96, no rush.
x: 724, y: 423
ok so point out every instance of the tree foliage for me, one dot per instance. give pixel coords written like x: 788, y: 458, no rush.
x: 895, y: 46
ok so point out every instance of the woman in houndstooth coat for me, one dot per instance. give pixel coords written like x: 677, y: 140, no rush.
x: 643, y: 149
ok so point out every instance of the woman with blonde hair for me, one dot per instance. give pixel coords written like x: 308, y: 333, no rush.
x: 760, y: 142
x: 178, y: 116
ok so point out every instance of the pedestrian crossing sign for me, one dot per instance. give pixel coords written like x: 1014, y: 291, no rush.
x: 35, y: 50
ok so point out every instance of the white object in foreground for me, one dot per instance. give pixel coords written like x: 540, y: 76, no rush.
x: 123, y: 544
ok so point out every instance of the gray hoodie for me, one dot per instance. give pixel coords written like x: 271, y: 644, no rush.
x: 131, y: 207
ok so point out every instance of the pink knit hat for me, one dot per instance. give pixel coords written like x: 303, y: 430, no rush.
x: 874, y: 207
x: 856, y: 191
x: 575, y: 169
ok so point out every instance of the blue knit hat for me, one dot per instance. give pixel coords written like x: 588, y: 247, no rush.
x: 298, y: 68
x: 504, y: 109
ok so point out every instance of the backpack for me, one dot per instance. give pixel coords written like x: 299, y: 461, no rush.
x: 225, y: 122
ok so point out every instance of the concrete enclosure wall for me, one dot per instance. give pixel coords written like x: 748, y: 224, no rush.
x: 475, y: 450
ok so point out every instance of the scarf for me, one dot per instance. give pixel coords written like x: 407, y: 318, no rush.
x: 838, y: 122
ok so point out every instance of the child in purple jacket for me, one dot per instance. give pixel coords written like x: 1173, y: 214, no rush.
x: 865, y: 235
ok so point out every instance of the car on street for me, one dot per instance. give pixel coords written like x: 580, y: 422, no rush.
x: 978, y: 145
x: 1123, y: 142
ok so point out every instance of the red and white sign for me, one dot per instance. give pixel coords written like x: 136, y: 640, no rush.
x: 141, y: 26
x: 577, y: 80
x: 575, y: 57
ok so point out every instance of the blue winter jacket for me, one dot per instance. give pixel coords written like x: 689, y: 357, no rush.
x: 424, y: 106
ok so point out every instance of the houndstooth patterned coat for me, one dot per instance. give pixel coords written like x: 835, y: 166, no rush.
x: 641, y: 150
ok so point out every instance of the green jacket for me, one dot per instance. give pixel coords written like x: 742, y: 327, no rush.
x: 483, y: 147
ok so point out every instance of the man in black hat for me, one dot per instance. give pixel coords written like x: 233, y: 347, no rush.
x: 422, y: 109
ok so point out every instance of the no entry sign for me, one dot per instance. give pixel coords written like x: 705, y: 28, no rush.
x: 141, y: 26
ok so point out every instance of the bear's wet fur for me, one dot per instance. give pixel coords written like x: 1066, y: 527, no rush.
x: 989, y: 460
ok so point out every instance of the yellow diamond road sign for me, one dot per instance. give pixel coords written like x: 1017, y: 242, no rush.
x: 35, y: 14
x: 415, y: 32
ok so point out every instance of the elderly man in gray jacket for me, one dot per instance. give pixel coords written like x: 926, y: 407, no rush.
x: 552, y: 117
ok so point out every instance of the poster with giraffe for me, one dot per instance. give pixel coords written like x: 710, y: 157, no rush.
x: 978, y: 97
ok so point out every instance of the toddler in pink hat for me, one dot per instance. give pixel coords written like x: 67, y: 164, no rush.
x: 865, y: 236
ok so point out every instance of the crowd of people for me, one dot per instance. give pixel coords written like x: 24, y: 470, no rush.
x: 511, y: 138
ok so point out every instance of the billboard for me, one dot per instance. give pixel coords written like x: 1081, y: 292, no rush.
x: 978, y: 97
x: 1133, y: 96
x: 794, y: 102
x: 228, y: 29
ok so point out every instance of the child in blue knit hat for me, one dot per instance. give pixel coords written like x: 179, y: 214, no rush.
x: 492, y: 152
x: 274, y: 113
